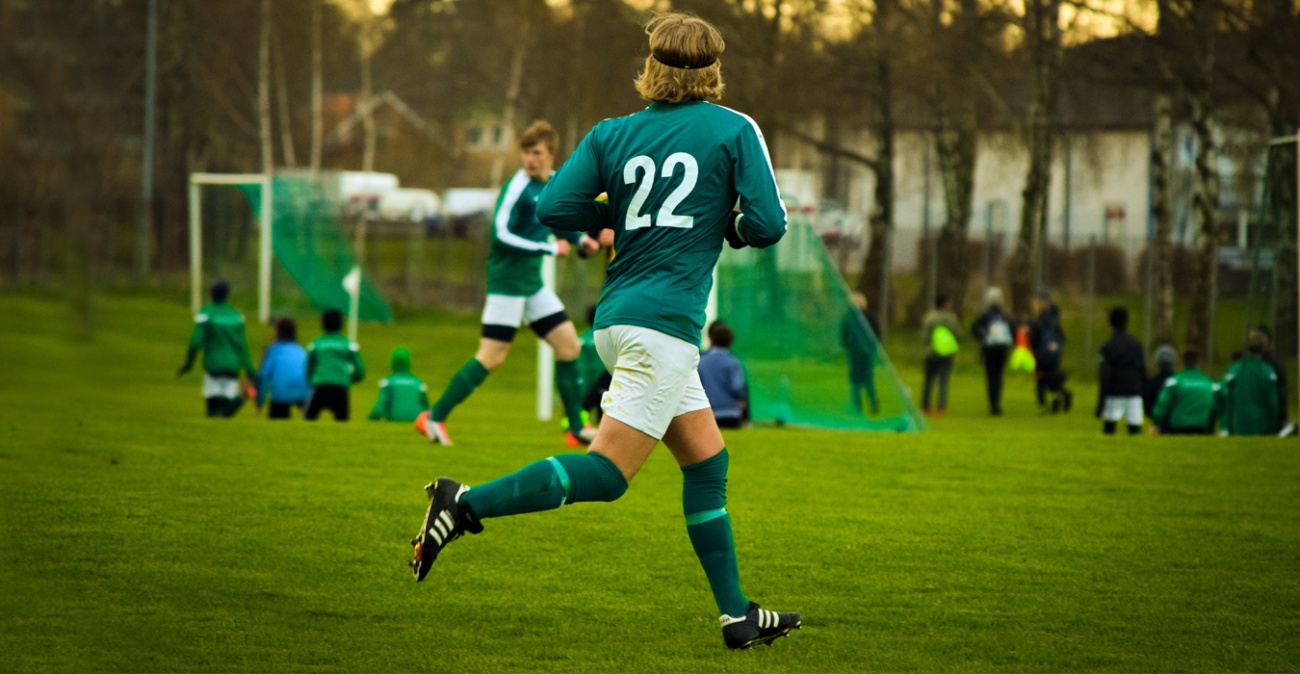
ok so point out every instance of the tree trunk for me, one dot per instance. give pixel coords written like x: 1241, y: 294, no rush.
x: 282, y: 98
x: 955, y: 150
x: 1162, y: 215
x: 264, y: 89
x: 1205, y: 204
x: 367, y: 110
x: 873, y: 281
x: 512, y: 103
x: 317, y: 97
x: 1042, y: 19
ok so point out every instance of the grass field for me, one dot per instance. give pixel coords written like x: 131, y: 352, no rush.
x: 140, y: 536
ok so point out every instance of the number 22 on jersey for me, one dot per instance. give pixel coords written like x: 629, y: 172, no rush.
x: 641, y: 171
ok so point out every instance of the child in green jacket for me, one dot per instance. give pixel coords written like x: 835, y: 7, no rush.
x: 333, y: 364
x: 219, y: 333
x: 402, y: 396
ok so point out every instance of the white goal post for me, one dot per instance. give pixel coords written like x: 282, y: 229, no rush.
x: 197, y: 181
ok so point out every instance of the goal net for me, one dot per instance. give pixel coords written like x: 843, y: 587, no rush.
x: 278, y: 240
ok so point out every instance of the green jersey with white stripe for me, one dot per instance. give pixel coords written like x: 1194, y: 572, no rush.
x: 219, y: 333
x: 673, y: 173
x: 519, y: 241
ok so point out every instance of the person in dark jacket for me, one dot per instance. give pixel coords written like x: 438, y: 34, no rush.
x: 1250, y: 397
x: 994, y: 333
x: 1166, y: 359
x: 1268, y: 357
x: 1047, y: 341
x: 723, y: 378
x: 860, y: 345
x: 1121, y: 377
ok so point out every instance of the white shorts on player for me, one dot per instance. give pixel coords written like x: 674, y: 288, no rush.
x: 654, y: 377
x: 218, y: 386
x: 511, y: 311
x: 1120, y: 407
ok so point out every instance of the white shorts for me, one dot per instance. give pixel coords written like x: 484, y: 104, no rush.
x: 1119, y: 407
x: 220, y: 387
x: 512, y: 311
x: 654, y: 377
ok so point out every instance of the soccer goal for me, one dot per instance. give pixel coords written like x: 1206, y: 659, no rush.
x: 798, y: 336
x: 280, y: 236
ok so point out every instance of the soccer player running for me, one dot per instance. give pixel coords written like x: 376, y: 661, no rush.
x: 515, y: 293
x: 673, y: 172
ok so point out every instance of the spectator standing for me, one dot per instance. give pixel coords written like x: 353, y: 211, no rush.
x: 1166, y: 358
x: 993, y: 332
x: 723, y: 378
x: 1250, y: 397
x: 284, y: 372
x: 219, y: 334
x: 1047, y: 340
x: 1268, y: 356
x: 402, y: 396
x: 939, y: 333
x: 1189, y: 401
x: 333, y: 364
x: 859, y: 334
x: 1121, y: 377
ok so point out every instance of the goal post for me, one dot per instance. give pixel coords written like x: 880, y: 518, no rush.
x: 260, y: 180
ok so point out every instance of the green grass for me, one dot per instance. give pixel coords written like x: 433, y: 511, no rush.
x: 140, y: 536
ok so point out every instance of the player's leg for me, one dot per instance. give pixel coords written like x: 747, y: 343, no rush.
x: 696, y: 444
x: 545, y: 315
x: 945, y: 371
x: 1112, y: 410
x: 312, y: 407
x: 869, y: 384
x: 501, y: 317
x: 1133, y: 413
x: 931, y: 366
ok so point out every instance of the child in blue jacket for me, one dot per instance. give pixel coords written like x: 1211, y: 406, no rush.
x: 284, y: 372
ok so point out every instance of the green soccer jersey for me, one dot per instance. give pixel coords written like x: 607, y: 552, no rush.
x: 519, y: 241
x: 1189, y: 401
x: 402, y: 396
x: 673, y: 173
x: 333, y: 359
x: 219, y: 332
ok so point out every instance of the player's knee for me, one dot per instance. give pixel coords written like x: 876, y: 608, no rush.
x: 567, y: 350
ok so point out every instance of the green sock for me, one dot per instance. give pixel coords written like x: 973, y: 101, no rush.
x: 569, y: 380
x: 704, y: 500
x: 467, y: 378
x: 548, y: 484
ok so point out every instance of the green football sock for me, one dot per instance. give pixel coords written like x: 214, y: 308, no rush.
x: 467, y: 379
x: 704, y: 500
x: 569, y: 380
x: 548, y: 484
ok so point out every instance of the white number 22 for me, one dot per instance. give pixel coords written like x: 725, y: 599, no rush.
x: 645, y: 167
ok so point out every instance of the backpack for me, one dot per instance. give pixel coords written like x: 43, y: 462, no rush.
x: 998, y: 332
x: 943, y: 342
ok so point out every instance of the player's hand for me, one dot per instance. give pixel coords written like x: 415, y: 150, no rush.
x: 561, y: 248
x: 732, y: 234
x: 587, y: 246
x: 606, y: 237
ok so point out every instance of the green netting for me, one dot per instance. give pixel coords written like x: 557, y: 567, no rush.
x: 311, y: 250
x: 795, y: 327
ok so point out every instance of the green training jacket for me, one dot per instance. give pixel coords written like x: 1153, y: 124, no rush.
x: 402, y: 396
x: 1250, y: 398
x: 332, y: 359
x: 1189, y: 401
x: 219, y: 333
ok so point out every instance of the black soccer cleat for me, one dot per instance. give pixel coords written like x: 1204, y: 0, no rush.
x: 758, y: 626
x: 444, y: 522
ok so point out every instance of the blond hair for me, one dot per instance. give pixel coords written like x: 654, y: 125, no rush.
x: 540, y: 132
x: 683, y: 64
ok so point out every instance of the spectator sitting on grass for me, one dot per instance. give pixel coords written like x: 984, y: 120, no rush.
x: 723, y: 378
x: 284, y: 372
x: 402, y: 396
x: 1189, y: 401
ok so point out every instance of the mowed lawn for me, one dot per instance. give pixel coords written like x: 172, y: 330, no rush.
x: 140, y: 536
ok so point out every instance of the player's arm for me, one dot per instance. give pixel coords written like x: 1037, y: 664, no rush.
x: 509, y: 219
x: 1164, y: 405
x: 247, y: 357
x: 569, y: 201
x: 380, y: 410
x: 268, y: 372
x: 311, y: 361
x: 358, y: 366
x: 762, y: 218
x: 197, y: 337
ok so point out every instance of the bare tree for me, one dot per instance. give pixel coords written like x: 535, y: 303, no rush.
x: 264, y: 89
x: 1042, y: 31
x: 317, y: 95
x: 1203, y: 16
